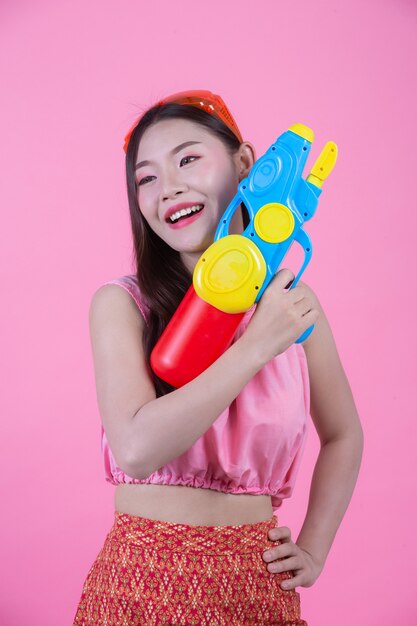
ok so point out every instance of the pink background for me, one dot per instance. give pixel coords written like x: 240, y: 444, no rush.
x: 74, y: 76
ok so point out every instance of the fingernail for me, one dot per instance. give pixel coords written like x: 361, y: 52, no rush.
x: 289, y: 284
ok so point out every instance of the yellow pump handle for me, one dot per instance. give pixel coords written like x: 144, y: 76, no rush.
x: 324, y: 164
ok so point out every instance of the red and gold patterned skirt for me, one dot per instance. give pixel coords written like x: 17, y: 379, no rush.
x: 154, y: 573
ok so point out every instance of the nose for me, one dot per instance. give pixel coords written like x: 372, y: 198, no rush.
x: 172, y: 185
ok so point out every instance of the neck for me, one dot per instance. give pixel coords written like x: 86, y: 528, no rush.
x: 190, y: 260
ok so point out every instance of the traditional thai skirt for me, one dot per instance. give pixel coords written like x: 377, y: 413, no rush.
x: 154, y: 573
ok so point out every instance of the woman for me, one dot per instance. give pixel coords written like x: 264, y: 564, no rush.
x: 201, y: 470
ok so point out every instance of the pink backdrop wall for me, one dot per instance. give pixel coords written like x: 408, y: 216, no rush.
x: 74, y: 74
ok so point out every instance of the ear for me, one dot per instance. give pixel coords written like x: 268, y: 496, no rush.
x: 245, y: 158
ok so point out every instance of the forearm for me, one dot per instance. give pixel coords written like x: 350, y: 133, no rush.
x: 333, y: 481
x: 166, y: 427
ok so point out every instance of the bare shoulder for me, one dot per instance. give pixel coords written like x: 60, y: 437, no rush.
x: 332, y: 405
x: 110, y: 302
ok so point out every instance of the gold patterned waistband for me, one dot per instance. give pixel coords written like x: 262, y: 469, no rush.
x: 160, y: 535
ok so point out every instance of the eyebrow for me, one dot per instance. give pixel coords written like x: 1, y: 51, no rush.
x: 173, y: 151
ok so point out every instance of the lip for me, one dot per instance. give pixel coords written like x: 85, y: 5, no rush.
x: 178, y: 207
x: 186, y: 221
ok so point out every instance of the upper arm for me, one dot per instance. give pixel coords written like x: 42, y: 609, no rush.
x: 123, y: 383
x: 332, y: 405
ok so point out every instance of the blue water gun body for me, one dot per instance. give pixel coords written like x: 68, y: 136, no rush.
x: 235, y: 271
x: 232, y: 274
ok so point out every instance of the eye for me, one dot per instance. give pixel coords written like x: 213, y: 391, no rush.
x: 144, y: 180
x: 188, y: 159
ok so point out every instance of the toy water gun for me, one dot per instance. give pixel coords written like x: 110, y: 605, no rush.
x: 232, y: 274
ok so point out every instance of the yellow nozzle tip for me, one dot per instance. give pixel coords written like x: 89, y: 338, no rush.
x: 304, y: 131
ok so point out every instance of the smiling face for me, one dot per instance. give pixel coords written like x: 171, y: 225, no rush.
x: 185, y: 179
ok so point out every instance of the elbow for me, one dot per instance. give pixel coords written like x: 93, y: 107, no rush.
x: 136, y: 458
x: 360, y: 443
x: 356, y: 435
x: 129, y: 462
x: 352, y: 441
x: 135, y: 465
x: 351, y: 438
x: 356, y: 438
x: 356, y: 443
x: 134, y: 469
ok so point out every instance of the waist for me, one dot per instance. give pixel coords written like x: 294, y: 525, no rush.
x: 195, y: 506
x: 165, y: 537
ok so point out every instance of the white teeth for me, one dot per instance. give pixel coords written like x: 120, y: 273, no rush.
x: 176, y: 216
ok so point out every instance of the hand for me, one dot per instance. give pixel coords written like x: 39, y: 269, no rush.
x: 281, y: 317
x: 306, y: 569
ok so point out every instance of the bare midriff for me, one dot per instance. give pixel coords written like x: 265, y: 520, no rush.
x: 180, y: 504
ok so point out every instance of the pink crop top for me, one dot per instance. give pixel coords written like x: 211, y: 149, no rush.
x: 255, y: 445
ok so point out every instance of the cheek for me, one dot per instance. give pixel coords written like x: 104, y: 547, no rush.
x: 220, y: 178
x: 146, y: 202
x: 203, y: 175
x: 228, y: 188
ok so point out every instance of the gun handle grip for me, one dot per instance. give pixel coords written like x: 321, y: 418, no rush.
x: 305, y: 334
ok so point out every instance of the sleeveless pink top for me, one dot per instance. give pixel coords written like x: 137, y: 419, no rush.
x: 255, y: 445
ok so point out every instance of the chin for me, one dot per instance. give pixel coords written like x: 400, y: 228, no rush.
x: 194, y: 244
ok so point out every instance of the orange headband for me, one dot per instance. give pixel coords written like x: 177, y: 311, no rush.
x: 205, y: 100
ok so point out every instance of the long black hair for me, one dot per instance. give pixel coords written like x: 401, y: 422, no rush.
x: 162, y: 277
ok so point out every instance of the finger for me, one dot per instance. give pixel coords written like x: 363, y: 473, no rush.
x: 303, y: 306
x: 283, y: 278
x: 310, y: 317
x: 285, y: 550
x: 281, y: 533
x: 292, y: 583
x: 297, y: 294
x: 287, y: 565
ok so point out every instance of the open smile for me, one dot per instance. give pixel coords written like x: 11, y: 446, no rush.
x: 185, y: 216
